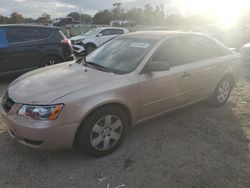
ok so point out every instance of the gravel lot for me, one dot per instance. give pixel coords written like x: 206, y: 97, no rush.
x: 198, y: 146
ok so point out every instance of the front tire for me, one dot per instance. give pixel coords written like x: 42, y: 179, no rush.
x: 102, y: 131
x: 222, y: 92
x: 49, y: 60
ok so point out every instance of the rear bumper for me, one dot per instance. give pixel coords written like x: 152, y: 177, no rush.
x: 42, y: 135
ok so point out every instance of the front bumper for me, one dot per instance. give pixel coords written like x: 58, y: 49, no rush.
x: 43, y: 135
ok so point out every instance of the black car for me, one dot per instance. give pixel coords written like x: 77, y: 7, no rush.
x: 24, y: 47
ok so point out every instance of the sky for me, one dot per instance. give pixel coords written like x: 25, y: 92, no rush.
x: 59, y: 8
x: 227, y: 11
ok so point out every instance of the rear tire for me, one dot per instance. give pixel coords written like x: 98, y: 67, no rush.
x: 49, y: 60
x: 222, y: 92
x: 102, y: 131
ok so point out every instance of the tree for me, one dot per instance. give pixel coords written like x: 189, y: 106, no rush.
x: 29, y: 20
x: 44, y: 19
x: 86, y: 18
x: 15, y: 17
x: 159, y: 15
x: 75, y: 16
x: 102, y: 17
x: 137, y: 15
x: 118, y: 12
x: 3, y: 19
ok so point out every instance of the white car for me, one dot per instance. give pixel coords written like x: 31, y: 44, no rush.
x: 245, y: 54
x: 96, y: 37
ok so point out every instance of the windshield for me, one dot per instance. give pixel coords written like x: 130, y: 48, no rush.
x: 121, y: 55
x: 92, y: 32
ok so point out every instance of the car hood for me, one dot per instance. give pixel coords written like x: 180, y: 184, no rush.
x: 45, y: 85
x: 79, y: 37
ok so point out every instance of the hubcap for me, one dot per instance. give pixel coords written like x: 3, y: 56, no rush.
x: 223, y: 91
x: 106, y: 132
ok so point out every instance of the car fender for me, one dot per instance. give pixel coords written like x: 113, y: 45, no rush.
x: 90, y: 41
x: 89, y: 99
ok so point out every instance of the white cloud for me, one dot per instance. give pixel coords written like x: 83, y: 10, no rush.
x: 64, y: 5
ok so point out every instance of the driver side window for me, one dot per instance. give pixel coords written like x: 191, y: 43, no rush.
x: 170, y: 53
x: 106, y: 32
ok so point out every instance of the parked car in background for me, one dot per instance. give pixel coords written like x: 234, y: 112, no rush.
x: 124, y: 82
x: 26, y: 47
x: 96, y: 37
x: 245, y: 53
x: 161, y: 29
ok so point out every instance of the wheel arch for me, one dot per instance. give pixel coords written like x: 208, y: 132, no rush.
x: 103, y: 105
x: 110, y: 103
x: 50, y: 54
x: 230, y: 76
x: 90, y: 43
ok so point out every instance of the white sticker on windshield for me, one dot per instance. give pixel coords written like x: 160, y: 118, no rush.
x: 139, y: 45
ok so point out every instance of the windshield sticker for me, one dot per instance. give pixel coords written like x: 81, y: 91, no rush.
x: 139, y: 45
x: 3, y: 39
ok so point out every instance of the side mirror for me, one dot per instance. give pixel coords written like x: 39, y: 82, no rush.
x: 156, y: 66
x: 99, y: 35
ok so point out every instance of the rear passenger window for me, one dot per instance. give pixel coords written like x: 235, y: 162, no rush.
x: 117, y: 32
x: 19, y: 35
x: 3, y: 39
x: 41, y: 33
x: 107, y: 32
x: 200, y: 48
x: 58, y: 36
x: 171, y: 52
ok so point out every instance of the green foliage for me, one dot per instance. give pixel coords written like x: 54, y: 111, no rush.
x: 16, y: 18
x: 102, y: 17
x: 3, y: 19
x: 80, y: 17
x: 44, y: 19
x: 147, y: 16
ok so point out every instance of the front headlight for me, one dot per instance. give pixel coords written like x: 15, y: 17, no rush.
x: 48, y: 112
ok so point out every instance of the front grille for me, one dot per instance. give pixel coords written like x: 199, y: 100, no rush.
x: 7, y: 102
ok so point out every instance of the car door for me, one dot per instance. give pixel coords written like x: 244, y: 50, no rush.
x: 24, y: 51
x: 165, y: 89
x: 206, y: 59
x: 4, y: 51
x: 106, y: 35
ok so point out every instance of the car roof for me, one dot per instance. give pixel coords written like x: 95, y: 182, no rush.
x: 28, y: 26
x: 158, y: 35
x: 112, y: 28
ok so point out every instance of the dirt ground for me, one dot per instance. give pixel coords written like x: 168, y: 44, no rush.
x: 196, y: 147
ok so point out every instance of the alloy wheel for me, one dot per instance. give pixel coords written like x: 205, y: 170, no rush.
x: 106, y: 132
x: 223, y: 91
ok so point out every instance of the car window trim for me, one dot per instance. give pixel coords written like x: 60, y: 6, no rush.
x: 35, y: 40
x: 190, y: 35
x: 157, y: 50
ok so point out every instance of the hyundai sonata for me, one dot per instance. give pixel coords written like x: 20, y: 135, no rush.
x: 135, y: 77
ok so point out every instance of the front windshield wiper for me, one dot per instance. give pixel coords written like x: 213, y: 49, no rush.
x: 92, y: 64
x: 99, y: 67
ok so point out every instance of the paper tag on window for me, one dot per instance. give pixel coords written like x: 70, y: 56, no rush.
x: 139, y: 45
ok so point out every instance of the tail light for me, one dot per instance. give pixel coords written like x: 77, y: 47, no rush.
x: 66, y: 41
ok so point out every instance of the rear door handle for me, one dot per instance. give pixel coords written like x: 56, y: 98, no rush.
x: 186, y: 75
